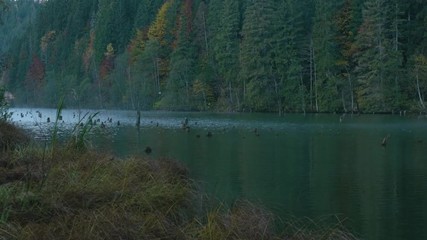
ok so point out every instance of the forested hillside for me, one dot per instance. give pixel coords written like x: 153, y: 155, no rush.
x: 226, y: 55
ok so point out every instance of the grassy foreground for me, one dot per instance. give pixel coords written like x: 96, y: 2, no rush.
x: 66, y: 193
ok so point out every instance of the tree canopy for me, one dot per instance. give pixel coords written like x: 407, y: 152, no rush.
x: 226, y: 55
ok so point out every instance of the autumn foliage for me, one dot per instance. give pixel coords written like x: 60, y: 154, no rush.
x: 36, y: 73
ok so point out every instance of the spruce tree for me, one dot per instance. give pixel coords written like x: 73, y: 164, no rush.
x: 180, y: 80
x: 256, y: 71
x: 227, y: 52
x: 287, y: 62
x: 375, y: 59
x: 327, y: 92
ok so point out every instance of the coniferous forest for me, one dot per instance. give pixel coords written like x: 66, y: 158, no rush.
x: 217, y: 55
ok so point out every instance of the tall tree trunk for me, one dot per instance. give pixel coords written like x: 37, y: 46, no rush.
x: 396, y: 44
x: 278, y: 99
x: 156, y: 74
x: 204, y: 99
x: 98, y: 80
x: 420, y: 97
x: 350, y: 83
x: 311, y: 73
x: 302, y: 93
x: 343, y: 101
x: 230, y: 93
x: 315, y: 86
x: 205, y: 34
x: 131, y: 87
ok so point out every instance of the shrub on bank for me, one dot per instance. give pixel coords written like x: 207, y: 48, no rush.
x: 11, y: 136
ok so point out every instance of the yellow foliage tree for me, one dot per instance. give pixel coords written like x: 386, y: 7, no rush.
x: 110, y: 50
x: 46, y: 39
x: 158, y: 29
x: 203, y: 92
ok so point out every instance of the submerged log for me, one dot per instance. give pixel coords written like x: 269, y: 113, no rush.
x: 148, y: 150
x: 138, y: 118
x: 384, y: 141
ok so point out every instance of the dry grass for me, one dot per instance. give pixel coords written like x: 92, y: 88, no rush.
x: 243, y: 221
x: 11, y: 136
x: 88, y: 195
x: 326, y: 228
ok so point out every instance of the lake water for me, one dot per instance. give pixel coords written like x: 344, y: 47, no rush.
x: 297, y: 165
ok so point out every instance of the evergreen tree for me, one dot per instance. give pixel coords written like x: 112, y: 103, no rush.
x: 119, y: 87
x: 200, y: 30
x: 145, y: 86
x: 266, y: 55
x: 214, y: 10
x: 203, y: 86
x: 327, y: 92
x: 180, y: 80
x: 146, y: 12
x: 213, y: 26
x: 345, y: 41
x: 287, y: 64
x: 375, y: 59
x: 256, y: 72
x: 227, y: 53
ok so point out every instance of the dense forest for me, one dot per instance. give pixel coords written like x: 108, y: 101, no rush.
x: 217, y: 55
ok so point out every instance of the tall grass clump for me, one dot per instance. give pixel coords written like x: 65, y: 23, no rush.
x: 88, y: 195
x: 328, y: 227
x: 54, y: 138
x: 80, y: 133
x: 243, y: 220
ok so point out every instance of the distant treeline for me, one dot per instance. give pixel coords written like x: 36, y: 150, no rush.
x: 222, y: 55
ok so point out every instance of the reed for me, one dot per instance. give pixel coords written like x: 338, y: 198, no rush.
x: 81, y: 131
x: 54, y: 137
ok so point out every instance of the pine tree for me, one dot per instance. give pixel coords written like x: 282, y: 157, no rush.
x: 213, y: 23
x: 143, y: 77
x: 287, y: 62
x: 200, y: 30
x: 180, y: 80
x: 345, y: 40
x: 227, y: 52
x: 375, y: 59
x: 327, y: 92
x: 298, y: 85
x: 256, y: 72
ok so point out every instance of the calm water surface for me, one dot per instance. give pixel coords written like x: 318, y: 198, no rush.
x: 296, y: 165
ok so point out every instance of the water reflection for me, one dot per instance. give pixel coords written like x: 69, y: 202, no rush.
x: 313, y: 165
